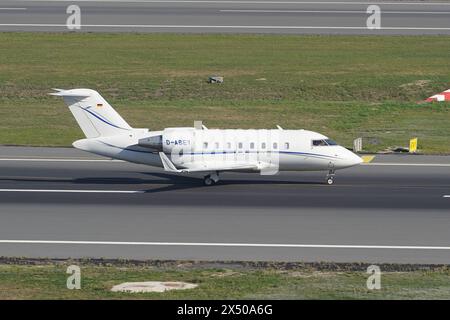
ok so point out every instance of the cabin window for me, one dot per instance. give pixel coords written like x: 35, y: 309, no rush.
x: 205, y: 145
x: 252, y: 145
x: 240, y: 145
x: 275, y: 145
x: 286, y: 145
x: 217, y: 145
x: 263, y: 145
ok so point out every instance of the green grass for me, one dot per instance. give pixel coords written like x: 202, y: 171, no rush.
x: 48, y: 281
x: 342, y: 86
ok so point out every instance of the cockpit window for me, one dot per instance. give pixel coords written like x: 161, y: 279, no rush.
x: 318, y: 143
x: 324, y: 142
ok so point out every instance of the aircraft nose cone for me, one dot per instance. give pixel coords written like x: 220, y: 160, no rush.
x: 357, y: 159
x: 349, y: 159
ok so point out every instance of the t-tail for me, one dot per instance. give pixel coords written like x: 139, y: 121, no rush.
x: 94, y: 115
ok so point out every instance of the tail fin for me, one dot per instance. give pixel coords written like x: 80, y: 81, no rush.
x: 93, y: 113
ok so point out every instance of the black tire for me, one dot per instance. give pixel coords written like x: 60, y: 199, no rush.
x: 207, y: 181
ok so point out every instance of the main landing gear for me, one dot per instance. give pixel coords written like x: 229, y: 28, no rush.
x: 211, y: 179
x: 330, y: 177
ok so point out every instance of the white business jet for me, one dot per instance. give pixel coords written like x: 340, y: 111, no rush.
x: 199, y: 149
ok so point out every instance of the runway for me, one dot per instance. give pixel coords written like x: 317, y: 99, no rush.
x: 63, y: 203
x: 229, y: 16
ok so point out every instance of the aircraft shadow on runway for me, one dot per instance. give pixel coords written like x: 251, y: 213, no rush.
x: 177, y: 182
x: 170, y: 182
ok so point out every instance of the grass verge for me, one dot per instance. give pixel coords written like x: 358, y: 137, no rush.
x: 40, y: 279
x: 342, y: 86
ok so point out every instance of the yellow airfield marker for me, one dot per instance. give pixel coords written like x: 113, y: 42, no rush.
x: 413, y: 145
x: 367, y: 159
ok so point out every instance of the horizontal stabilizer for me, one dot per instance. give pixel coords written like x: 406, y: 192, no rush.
x: 68, y: 93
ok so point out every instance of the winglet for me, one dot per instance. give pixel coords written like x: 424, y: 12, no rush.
x: 279, y: 128
x: 168, y: 165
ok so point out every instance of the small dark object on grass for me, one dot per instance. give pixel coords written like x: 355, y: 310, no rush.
x: 215, y: 79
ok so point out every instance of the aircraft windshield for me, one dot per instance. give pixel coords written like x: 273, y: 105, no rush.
x: 331, y: 142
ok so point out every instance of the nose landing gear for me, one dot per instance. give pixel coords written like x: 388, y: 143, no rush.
x: 211, y: 179
x: 330, y: 177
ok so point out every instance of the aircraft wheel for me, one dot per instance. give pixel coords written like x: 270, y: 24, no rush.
x: 208, y: 181
x: 330, y: 181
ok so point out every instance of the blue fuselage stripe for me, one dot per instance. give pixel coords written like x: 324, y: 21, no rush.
x: 233, y: 152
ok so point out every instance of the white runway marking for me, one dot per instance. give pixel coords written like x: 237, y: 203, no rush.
x: 446, y: 196
x: 70, y: 191
x: 331, y: 11
x: 170, y: 26
x: 406, y: 164
x: 218, y: 244
x: 58, y: 160
x: 260, y: 2
x: 13, y: 8
x: 121, y: 161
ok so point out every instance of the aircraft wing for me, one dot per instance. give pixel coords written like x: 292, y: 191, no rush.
x: 205, y: 167
x: 234, y: 167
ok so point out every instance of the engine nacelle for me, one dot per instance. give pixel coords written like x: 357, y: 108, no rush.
x: 178, y: 139
x: 153, y: 142
x: 171, y: 140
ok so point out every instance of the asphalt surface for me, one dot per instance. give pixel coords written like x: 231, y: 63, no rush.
x: 393, y: 207
x: 229, y: 16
